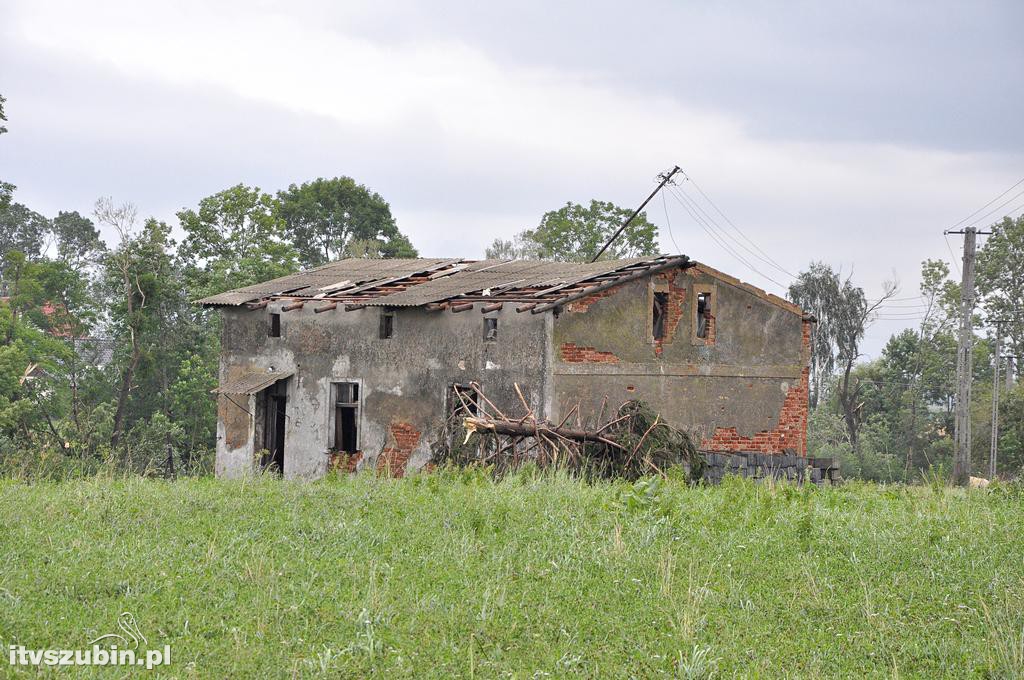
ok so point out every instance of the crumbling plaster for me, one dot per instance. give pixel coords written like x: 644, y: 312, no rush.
x: 404, y: 379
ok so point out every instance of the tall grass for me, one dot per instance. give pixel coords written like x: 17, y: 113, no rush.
x: 535, y: 575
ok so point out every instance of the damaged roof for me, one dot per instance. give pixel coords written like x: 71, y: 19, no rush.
x: 538, y: 285
x: 417, y: 282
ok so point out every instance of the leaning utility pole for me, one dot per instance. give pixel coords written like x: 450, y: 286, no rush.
x: 665, y: 179
x: 994, y: 446
x: 962, y: 424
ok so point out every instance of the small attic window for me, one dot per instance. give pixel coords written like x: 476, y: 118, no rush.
x: 704, y: 315
x: 658, y: 307
x: 490, y: 329
x: 275, y: 326
x: 387, y: 325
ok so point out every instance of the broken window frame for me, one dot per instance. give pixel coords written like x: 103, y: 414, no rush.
x: 387, y: 325
x: 705, y: 296
x: 274, y: 328
x: 659, y: 310
x: 346, y: 397
x: 490, y: 329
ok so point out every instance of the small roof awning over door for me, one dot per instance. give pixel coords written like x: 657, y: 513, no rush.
x: 251, y: 382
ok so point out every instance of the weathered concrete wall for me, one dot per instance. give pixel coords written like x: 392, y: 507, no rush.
x: 403, y: 380
x: 744, y: 387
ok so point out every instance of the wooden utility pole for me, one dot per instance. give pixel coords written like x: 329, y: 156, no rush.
x: 665, y: 179
x: 962, y: 424
x: 994, y: 447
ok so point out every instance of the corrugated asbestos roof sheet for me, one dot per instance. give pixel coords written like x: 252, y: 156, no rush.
x: 499, y: 275
x: 250, y: 382
x: 416, y: 282
x: 357, y: 270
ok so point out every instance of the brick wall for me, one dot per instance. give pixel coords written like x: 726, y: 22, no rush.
x: 583, y: 304
x: 345, y: 462
x: 585, y: 355
x: 790, y: 433
x: 393, y: 459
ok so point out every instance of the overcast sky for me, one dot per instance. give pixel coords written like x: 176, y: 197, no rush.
x: 851, y: 132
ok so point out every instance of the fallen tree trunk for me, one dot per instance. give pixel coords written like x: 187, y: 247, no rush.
x: 529, y: 429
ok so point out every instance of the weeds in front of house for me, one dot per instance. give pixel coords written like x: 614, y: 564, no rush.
x: 457, y: 574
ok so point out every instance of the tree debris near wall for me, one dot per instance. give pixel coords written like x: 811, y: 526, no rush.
x: 631, y: 441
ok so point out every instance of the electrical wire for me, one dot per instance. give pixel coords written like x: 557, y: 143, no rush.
x: 709, y: 221
x: 996, y: 209
x: 664, y: 204
x: 683, y: 200
x: 767, y: 259
x: 1019, y: 182
x: 951, y: 255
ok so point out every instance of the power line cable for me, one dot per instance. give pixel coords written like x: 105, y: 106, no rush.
x: 684, y: 200
x: 1019, y: 182
x: 763, y: 257
x: 951, y: 255
x: 664, y: 204
x: 998, y: 208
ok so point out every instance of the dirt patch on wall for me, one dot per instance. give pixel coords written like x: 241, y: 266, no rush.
x: 236, y: 419
x: 312, y: 339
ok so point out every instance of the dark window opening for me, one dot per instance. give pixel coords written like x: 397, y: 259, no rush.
x: 658, y: 315
x: 465, y: 401
x: 275, y: 325
x: 387, y: 325
x: 703, y: 314
x: 490, y: 329
x: 346, y: 417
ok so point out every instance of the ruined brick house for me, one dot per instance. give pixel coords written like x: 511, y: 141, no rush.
x: 358, y: 362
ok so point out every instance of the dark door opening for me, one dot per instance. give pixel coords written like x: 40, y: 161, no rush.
x: 275, y: 415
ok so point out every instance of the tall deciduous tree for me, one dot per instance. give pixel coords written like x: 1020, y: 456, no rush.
x: 575, y: 233
x: 23, y: 230
x: 843, y: 313
x: 6, y: 189
x: 77, y: 240
x: 234, y: 238
x: 329, y: 219
x: 1000, y: 279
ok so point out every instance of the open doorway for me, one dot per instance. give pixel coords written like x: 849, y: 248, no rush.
x: 275, y: 401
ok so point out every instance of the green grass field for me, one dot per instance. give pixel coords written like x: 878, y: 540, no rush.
x: 454, y: 575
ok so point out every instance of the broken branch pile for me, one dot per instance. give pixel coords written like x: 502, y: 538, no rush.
x: 635, y: 441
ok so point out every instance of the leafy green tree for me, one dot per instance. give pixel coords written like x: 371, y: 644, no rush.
x: 6, y: 189
x: 519, y: 248
x: 30, y: 355
x: 843, y: 313
x: 21, y: 229
x: 139, y: 275
x: 575, y: 233
x: 1000, y: 279
x: 234, y: 238
x: 329, y: 219
x: 77, y: 239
